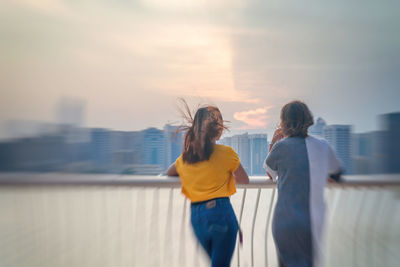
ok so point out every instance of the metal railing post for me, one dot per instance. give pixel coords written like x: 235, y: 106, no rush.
x: 240, y: 223
x: 357, y: 228
x: 182, y: 247
x: 168, y: 230
x: 271, y: 202
x: 253, y: 226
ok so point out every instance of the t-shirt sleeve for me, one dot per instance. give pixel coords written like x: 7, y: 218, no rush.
x: 334, y: 164
x: 271, y: 162
x: 233, y: 160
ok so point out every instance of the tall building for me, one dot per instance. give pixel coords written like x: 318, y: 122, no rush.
x: 379, y: 157
x: 339, y: 137
x: 391, y: 143
x: 173, y: 144
x: 318, y: 128
x: 42, y: 153
x: 153, y: 150
x: 362, y: 153
x: 136, y: 144
x: 100, y: 147
x: 240, y: 143
x: 126, y: 148
x: 252, y: 150
x: 258, y: 145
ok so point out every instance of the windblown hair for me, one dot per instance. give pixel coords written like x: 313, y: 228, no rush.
x: 200, y: 132
x: 295, y: 119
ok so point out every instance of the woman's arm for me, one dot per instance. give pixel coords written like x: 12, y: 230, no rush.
x: 240, y: 175
x: 270, y: 168
x: 335, y: 168
x: 172, y: 170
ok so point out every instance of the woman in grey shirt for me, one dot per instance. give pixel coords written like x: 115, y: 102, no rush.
x: 303, y: 164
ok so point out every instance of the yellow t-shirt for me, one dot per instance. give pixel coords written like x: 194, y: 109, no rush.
x: 211, y: 178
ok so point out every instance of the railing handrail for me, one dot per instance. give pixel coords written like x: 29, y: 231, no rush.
x: 47, y: 179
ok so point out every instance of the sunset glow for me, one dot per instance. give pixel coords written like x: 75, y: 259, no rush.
x: 129, y: 62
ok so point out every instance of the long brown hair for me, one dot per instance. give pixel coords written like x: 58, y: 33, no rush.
x: 200, y: 132
x: 295, y: 119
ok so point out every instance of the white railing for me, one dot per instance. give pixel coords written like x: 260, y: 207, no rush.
x: 108, y: 220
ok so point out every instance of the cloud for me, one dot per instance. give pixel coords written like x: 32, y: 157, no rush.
x: 128, y: 57
x: 253, y: 118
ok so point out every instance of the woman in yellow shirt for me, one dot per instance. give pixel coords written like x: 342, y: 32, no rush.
x: 208, y: 172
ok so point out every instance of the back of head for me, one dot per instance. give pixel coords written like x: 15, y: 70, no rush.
x: 204, y: 129
x: 295, y: 119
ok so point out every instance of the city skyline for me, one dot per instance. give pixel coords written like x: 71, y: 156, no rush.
x: 75, y: 113
x: 73, y: 148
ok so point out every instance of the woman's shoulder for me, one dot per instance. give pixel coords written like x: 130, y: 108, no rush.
x: 288, y: 141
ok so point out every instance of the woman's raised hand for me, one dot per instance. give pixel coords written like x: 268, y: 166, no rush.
x: 278, y: 135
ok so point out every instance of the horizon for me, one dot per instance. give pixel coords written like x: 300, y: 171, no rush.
x: 226, y: 133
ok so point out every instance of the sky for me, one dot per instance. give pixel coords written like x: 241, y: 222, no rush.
x: 129, y: 61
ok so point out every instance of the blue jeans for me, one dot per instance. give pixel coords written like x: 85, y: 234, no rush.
x: 215, y: 226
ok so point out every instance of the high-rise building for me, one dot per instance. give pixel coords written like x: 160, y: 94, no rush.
x: 379, y: 157
x: 391, y: 143
x: 136, y: 143
x: 153, y: 150
x: 126, y: 148
x: 173, y: 144
x: 42, y: 153
x: 361, y: 155
x: 252, y: 150
x: 258, y: 145
x: 100, y: 147
x: 240, y: 143
x: 339, y: 137
x: 317, y: 129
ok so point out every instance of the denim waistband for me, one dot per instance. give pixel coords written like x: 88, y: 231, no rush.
x: 211, y: 203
